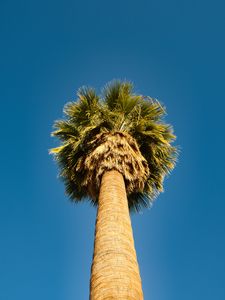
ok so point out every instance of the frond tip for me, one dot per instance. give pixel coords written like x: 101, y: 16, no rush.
x: 118, y: 130
x: 56, y: 150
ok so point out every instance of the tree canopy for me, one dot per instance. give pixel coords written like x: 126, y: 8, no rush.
x: 115, y: 130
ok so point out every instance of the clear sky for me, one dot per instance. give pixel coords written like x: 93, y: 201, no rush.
x: 171, y: 50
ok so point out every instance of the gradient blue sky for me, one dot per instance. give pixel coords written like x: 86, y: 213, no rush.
x: 171, y: 50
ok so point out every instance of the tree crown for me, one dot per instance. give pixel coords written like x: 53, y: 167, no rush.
x: 117, y: 130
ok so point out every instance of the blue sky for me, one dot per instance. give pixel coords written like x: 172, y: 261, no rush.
x: 171, y: 50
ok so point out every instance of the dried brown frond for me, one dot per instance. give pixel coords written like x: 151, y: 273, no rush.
x: 113, y: 151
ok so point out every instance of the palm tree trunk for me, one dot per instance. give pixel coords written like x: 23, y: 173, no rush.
x: 115, y: 271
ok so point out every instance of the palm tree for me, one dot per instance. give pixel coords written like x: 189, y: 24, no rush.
x: 115, y: 152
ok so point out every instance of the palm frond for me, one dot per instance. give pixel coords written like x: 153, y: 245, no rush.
x: 82, y: 112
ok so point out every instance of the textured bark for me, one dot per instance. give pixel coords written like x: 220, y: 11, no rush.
x: 115, y: 272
